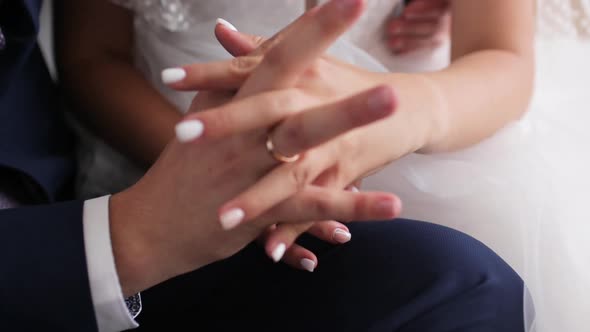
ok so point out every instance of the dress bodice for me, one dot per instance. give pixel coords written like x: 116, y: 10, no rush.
x: 261, y: 17
x: 556, y: 18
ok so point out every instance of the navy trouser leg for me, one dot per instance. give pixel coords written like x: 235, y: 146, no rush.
x: 401, y: 276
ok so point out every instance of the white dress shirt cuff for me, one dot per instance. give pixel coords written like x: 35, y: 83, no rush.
x: 109, y: 306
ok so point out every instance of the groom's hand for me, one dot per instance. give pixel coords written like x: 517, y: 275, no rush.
x: 167, y: 224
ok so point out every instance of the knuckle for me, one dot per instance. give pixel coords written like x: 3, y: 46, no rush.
x: 289, y: 98
x: 360, y: 207
x: 261, y: 42
x: 322, y: 205
x: 294, y: 137
x: 276, y: 57
x: 290, y: 233
x: 273, y: 104
x: 243, y: 65
x: 220, y: 121
x: 284, y: 103
x: 348, y: 145
x: 301, y: 175
x: 314, y: 71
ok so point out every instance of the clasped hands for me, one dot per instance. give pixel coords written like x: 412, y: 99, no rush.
x: 216, y: 188
x: 291, y: 70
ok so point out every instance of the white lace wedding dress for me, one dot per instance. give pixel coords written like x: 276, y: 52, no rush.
x: 523, y: 192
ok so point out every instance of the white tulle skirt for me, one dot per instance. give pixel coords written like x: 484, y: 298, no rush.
x: 524, y: 192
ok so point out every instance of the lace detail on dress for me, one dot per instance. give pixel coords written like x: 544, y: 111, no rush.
x: 564, y: 18
x: 173, y: 15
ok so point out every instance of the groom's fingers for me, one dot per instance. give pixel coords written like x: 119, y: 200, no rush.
x: 330, y: 121
x: 307, y: 40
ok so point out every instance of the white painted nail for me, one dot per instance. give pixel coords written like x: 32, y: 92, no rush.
x: 278, y: 252
x: 189, y: 130
x: 341, y: 236
x: 307, y: 264
x: 354, y: 189
x: 232, y: 218
x: 173, y: 75
x: 226, y: 24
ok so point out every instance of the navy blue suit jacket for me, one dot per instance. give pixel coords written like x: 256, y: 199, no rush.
x: 43, y: 276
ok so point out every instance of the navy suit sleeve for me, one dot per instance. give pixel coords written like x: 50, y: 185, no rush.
x: 44, y: 282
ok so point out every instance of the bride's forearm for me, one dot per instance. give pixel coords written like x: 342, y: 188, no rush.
x: 482, y: 93
x: 461, y: 105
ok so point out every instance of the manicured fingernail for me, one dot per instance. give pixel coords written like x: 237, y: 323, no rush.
x: 354, y: 189
x: 381, y: 101
x: 307, y: 264
x: 189, y: 130
x: 341, y: 236
x: 226, y: 24
x: 173, y: 75
x: 278, y: 252
x: 230, y: 219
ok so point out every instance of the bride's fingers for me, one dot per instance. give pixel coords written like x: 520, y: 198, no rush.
x: 283, y: 237
x: 286, y: 180
x: 293, y: 255
x: 261, y: 111
x: 287, y: 53
x: 299, y: 132
x: 330, y: 231
x: 277, y: 195
x: 318, y: 203
x: 238, y: 43
x: 241, y: 44
x: 302, y: 45
x: 300, y: 258
x: 219, y: 75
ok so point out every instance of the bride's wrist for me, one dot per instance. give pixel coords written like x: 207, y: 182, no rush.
x: 422, y: 115
x: 436, y: 117
x: 423, y: 101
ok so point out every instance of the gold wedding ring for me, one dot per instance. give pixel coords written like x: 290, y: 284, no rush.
x: 270, y: 147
